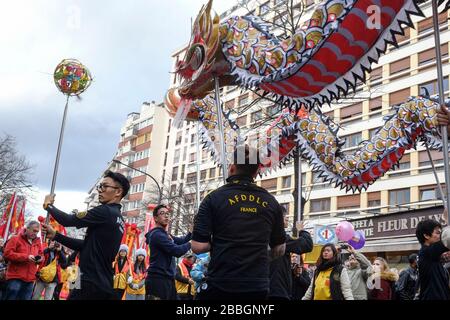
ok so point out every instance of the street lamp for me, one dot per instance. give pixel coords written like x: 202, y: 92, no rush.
x: 157, y: 184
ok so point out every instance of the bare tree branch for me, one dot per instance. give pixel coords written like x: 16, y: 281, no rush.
x: 15, y: 170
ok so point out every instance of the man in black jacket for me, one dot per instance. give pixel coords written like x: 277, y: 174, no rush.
x: 407, y: 282
x: 301, y: 280
x: 160, y: 281
x: 433, y: 278
x: 238, y: 222
x: 105, y: 228
x: 280, y: 268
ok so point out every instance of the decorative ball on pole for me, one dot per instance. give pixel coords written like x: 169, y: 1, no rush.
x: 72, y: 77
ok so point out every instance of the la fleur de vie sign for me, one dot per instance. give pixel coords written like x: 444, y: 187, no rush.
x: 396, y: 224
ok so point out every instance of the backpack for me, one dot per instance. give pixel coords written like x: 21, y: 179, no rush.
x: 48, y: 273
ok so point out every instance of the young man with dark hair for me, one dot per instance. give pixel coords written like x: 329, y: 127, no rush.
x: 238, y: 222
x: 160, y: 281
x: 105, y: 227
x: 407, y: 282
x: 433, y: 278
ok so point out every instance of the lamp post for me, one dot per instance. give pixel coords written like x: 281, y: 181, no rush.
x: 157, y: 184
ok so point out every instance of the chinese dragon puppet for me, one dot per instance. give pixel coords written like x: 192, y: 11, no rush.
x: 321, y: 63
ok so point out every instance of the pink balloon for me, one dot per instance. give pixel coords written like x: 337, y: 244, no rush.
x: 344, y: 230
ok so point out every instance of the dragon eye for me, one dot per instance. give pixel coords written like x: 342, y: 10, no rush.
x: 197, y: 58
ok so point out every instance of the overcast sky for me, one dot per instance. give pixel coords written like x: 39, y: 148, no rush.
x: 127, y: 47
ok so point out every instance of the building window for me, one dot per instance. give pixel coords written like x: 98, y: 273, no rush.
x: 273, y: 110
x: 243, y: 101
x: 229, y: 105
x: 427, y: 193
x: 425, y: 164
x: 178, y: 140
x: 286, y: 182
x: 348, y: 202
x: 399, y: 66
x: 242, y: 121
x: 176, y: 156
x: 191, y: 177
x: 193, y: 138
x: 203, y: 175
x: 270, y: 184
x: 374, y: 199
x: 212, y: 172
x: 165, y: 159
x: 351, y: 112
x: 182, y: 172
x: 175, y: 174
x: 319, y: 205
x: 399, y: 196
x: 428, y: 57
x: 137, y: 187
x: 403, y: 40
x: 352, y: 140
x: 256, y: 116
x: 398, y: 97
x: 432, y: 86
x: 425, y: 26
x: 376, y: 76
x: 375, y: 107
x: 192, y: 157
x: 173, y: 189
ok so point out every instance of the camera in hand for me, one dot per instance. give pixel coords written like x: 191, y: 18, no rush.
x: 36, y: 259
x: 344, y: 246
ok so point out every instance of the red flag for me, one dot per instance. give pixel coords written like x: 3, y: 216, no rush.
x: 5, y: 216
x: 21, y: 220
x: 14, y: 218
x: 129, y: 238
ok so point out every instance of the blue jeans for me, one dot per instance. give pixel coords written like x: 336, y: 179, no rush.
x: 19, y: 290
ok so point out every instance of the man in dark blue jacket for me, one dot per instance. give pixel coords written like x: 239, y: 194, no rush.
x: 160, y: 281
x: 281, y: 281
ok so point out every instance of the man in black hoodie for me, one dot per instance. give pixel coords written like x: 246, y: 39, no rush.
x: 160, y: 281
x: 280, y: 268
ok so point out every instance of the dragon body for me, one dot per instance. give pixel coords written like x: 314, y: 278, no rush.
x: 320, y: 63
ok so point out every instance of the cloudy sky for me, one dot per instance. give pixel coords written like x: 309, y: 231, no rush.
x: 126, y: 46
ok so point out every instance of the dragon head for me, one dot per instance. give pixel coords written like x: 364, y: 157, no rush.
x: 203, y: 61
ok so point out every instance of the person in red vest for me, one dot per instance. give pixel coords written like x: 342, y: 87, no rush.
x: 24, y: 254
x: 121, y: 266
x: 183, y: 281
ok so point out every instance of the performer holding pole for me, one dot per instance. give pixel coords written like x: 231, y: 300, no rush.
x: 105, y: 228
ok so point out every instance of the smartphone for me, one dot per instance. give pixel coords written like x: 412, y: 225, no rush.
x: 344, y: 246
x: 37, y: 258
